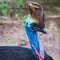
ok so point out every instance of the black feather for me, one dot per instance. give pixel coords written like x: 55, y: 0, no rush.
x: 15, y: 53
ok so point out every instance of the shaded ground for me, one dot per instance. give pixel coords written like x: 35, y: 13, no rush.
x: 13, y: 33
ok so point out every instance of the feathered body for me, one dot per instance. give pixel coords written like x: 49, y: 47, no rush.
x: 15, y: 53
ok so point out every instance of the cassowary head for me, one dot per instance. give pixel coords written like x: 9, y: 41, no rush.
x: 37, y: 13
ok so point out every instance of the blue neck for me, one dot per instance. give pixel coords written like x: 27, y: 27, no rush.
x: 33, y: 37
x: 34, y: 40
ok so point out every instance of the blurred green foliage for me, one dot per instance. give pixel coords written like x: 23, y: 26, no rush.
x: 57, y: 9
x: 13, y: 42
x: 25, y: 17
x: 5, y: 6
x: 18, y: 5
x: 21, y: 3
x: 53, y: 29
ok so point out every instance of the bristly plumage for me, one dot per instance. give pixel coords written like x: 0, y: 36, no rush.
x: 15, y: 53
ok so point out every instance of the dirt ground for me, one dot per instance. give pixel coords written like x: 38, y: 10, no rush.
x: 13, y: 34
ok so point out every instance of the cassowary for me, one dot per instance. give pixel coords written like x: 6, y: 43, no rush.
x: 35, y: 22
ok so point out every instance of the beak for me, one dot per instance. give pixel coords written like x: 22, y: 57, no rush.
x: 43, y: 31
